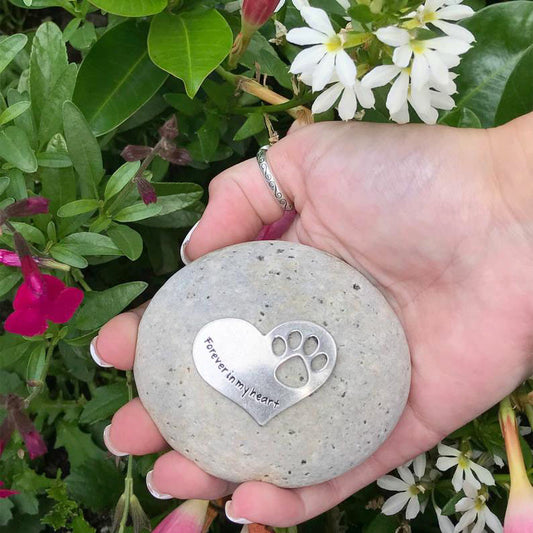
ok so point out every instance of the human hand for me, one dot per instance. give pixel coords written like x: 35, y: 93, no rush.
x: 439, y: 219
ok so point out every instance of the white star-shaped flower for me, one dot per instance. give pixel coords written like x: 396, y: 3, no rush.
x: 476, y: 513
x: 436, y: 12
x: 407, y: 488
x: 465, y: 468
x: 327, y: 57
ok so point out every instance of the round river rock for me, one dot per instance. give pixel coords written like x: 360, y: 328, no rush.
x: 294, y: 438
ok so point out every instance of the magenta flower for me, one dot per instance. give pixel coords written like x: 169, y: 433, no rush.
x: 5, y: 493
x: 9, y: 258
x: 189, y: 517
x: 17, y: 419
x: 36, y: 205
x: 146, y: 190
x: 55, y: 302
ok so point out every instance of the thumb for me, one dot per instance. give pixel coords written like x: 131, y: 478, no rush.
x: 241, y: 203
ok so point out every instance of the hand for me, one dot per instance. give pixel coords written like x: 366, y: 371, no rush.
x: 439, y: 219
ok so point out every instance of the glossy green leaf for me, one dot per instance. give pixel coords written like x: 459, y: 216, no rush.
x: 25, y: 120
x: 51, y: 80
x: 84, y: 36
x: 91, y: 244
x: 10, y: 47
x: 66, y: 254
x: 185, y: 105
x: 78, y: 207
x: 189, y: 45
x: 99, y: 307
x: 15, y: 149
x: 83, y: 149
x: 41, y: 4
x: 29, y: 232
x: 120, y: 178
x: 461, y: 118
x: 117, y: 77
x: 517, y: 98
x: 184, y: 218
x: 503, y: 35
x: 13, y: 111
x: 131, y: 8
x: 137, y: 211
x: 104, y: 403
x: 127, y: 239
x: 54, y: 160
x: 254, y: 124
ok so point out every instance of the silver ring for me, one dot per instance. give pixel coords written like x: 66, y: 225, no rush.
x: 271, y: 181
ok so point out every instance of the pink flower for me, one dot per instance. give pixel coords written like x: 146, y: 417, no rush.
x: 9, y: 258
x: 146, y: 190
x: 55, y: 302
x: 5, y: 493
x: 17, y: 419
x: 519, y: 514
x: 257, y: 12
x: 189, y: 517
x: 275, y: 230
x: 30, y: 206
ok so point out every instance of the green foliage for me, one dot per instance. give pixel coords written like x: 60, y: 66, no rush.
x: 131, y: 8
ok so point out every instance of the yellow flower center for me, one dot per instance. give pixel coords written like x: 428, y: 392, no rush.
x: 418, y: 47
x: 333, y: 44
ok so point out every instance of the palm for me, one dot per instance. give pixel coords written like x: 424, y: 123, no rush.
x: 422, y: 217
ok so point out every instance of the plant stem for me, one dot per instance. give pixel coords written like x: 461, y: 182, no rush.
x: 290, y: 104
x: 42, y: 378
x: 78, y: 276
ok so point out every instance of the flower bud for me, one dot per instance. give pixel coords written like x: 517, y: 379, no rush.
x: 9, y: 258
x: 189, y: 517
x: 134, y: 152
x: 175, y: 155
x: 256, y: 12
x: 5, y: 493
x: 519, y: 515
x: 30, y: 206
x: 169, y: 130
x: 146, y: 190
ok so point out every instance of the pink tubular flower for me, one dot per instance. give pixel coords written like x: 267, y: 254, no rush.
x: 9, y: 258
x: 256, y: 12
x: 189, y: 517
x: 17, y: 419
x: 56, y: 302
x: 134, y: 152
x: 5, y: 493
x: 519, y: 514
x: 30, y: 206
x: 146, y: 191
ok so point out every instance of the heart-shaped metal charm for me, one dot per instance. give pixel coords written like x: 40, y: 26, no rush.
x: 244, y: 365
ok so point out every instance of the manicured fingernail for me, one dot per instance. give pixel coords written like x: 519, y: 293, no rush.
x: 95, y: 356
x: 183, y: 251
x: 109, y: 446
x: 234, y: 518
x: 151, y: 489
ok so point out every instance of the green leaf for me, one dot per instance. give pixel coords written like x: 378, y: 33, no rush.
x: 382, y: 524
x: 503, y: 35
x: 120, y: 178
x: 204, y: 147
x: 99, y: 307
x: 17, y: 185
x: 449, y: 507
x: 185, y: 105
x: 254, y: 124
x: 51, y: 80
x: 78, y: 207
x: 83, y: 149
x: 169, y: 203
x: 10, y: 47
x: 41, y: 4
x: 54, y: 160
x: 13, y: 111
x: 15, y: 149
x: 361, y: 13
x: 461, y: 118
x: 189, y: 45
x: 117, y: 77
x: 79, y: 525
x: 84, y: 36
x: 105, y: 401
x: 184, y: 218
x: 79, y: 445
x: 64, y: 254
x: 4, y: 183
x: 137, y: 211
x: 517, y: 97
x: 91, y: 244
x: 9, y: 382
x: 131, y: 8
x: 8, y: 279
x: 36, y: 362
x: 127, y: 239
x: 29, y: 232
x: 5, y: 511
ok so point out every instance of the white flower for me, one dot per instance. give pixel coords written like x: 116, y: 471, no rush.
x: 445, y: 524
x: 349, y: 97
x: 326, y: 57
x: 476, y: 512
x: 425, y: 100
x: 407, y: 488
x: 432, y: 57
x: 437, y: 13
x: 465, y: 470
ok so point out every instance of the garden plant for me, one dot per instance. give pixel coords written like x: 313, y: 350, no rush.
x: 114, y: 117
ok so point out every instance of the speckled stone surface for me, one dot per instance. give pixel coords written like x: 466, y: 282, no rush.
x: 267, y: 283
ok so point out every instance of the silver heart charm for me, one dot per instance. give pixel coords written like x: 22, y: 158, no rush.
x: 247, y: 367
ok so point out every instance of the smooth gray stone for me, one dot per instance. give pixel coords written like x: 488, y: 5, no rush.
x: 267, y: 283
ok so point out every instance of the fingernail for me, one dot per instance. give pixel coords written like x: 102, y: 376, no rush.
x: 109, y: 446
x: 152, y: 491
x: 95, y: 356
x: 183, y: 251
x: 233, y: 518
